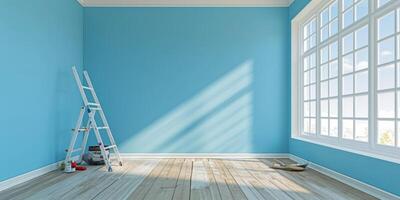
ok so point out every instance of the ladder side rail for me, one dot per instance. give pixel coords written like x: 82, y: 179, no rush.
x: 75, y: 134
x: 100, y: 141
x: 79, y: 83
x: 85, y: 139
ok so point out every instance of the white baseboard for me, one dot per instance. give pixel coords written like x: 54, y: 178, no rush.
x: 372, y: 190
x: 30, y: 175
x: 203, y: 155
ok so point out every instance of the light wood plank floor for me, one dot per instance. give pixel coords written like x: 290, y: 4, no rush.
x: 180, y: 179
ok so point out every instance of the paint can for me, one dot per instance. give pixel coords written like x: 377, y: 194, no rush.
x: 68, y: 167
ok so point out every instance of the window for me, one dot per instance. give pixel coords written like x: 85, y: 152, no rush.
x: 388, y: 79
x: 349, y: 77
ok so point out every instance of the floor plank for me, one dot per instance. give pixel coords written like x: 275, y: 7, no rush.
x: 185, y: 179
x: 182, y: 190
x: 203, y: 184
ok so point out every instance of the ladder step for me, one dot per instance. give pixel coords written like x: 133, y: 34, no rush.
x: 75, y: 150
x: 110, y: 147
x: 93, y: 104
x: 94, y: 108
x: 102, y: 127
x: 81, y: 129
x: 87, y: 88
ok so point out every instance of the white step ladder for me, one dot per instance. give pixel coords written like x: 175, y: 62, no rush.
x: 91, y: 109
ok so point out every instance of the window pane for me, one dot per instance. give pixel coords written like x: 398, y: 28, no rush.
x: 306, y: 93
x: 313, y: 41
x: 306, y: 76
x: 347, y: 104
x: 386, y: 105
x: 333, y: 69
x: 361, y: 133
x: 347, y: 43
x: 386, y: 133
x: 386, y: 77
x: 306, y: 109
x: 312, y: 109
x: 306, y: 125
x: 386, y: 51
x: 333, y: 127
x: 361, y: 59
x: 398, y: 43
x: 312, y: 75
x: 361, y: 81
x: 347, y: 64
x: 324, y: 17
x: 312, y: 126
x: 361, y: 106
x: 382, y: 2
x: 347, y: 4
x: 334, y: 10
x: 306, y: 63
x: 324, y: 127
x: 324, y: 108
x: 333, y: 108
x: 324, y: 72
x: 361, y: 9
x: 324, y: 33
x: 312, y: 91
x: 347, y: 18
x: 324, y: 55
x: 398, y: 105
x: 333, y: 51
x: 362, y: 37
x: 312, y: 60
x: 333, y: 87
x: 348, y: 129
x: 324, y: 89
x: 386, y: 25
x: 333, y: 26
x: 347, y: 84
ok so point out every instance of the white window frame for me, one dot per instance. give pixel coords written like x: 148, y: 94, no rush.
x: 313, y: 9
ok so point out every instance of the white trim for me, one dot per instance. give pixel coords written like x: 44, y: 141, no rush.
x: 185, y: 3
x: 30, y: 175
x: 203, y: 155
x: 27, y: 176
x: 372, y: 190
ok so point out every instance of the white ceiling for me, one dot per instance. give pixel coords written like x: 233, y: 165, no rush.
x: 185, y: 3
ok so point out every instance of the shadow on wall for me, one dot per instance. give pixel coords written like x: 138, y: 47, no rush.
x: 217, y: 119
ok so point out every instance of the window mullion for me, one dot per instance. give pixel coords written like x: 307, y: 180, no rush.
x: 340, y: 44
x: 372, y: 122
x: 318, y: 76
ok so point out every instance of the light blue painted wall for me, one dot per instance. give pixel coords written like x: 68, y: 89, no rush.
x: 40, y: 40
x: 379, y: 173
x: 192, y: 79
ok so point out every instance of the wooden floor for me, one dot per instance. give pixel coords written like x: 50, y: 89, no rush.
x: 169, y: 179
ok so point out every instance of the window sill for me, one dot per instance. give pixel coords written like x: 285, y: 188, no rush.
x: 363, y: 152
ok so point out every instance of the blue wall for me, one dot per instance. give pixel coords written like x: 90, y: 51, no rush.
x: 40, y: 40
x: 192, y: 79
x: 366, y: 169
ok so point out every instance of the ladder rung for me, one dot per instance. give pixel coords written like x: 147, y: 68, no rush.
x: 102, y: 127
x: 110, y: 147
x: 87, y: 88
x: 93, y: 104
x: 75, y: 150
x: 94, y: 108
x: 81, y: 129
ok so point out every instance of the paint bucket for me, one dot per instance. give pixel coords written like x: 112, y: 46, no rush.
x: 68, y: 167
